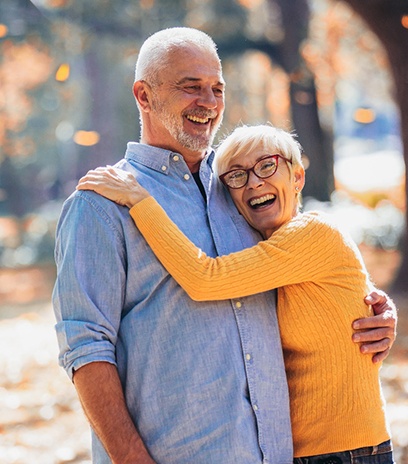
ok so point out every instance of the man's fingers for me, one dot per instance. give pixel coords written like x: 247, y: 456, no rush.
x: 379, y: 357
x: 375, y: 297
x: 376, y: 347
x: 386, y: 320
x: 373, y: 335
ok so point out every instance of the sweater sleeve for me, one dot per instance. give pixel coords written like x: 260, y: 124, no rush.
x: 300, y: 251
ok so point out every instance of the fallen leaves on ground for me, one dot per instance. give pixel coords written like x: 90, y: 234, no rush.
x: 41, y: 418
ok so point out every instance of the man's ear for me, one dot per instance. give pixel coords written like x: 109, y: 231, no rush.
x: 141, y: 92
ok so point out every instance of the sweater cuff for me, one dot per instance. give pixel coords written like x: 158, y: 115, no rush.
x: 146, y: 209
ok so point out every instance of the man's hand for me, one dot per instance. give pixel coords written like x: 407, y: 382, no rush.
x: 377, y: 333
x: 137, y: 455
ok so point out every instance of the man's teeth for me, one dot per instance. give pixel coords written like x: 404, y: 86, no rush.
x: 261, y: 200
x: 197, y: 119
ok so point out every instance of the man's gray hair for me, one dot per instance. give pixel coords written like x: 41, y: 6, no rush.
x: 154, y: 55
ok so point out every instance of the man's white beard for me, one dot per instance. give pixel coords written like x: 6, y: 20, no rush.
x: 174, y: 124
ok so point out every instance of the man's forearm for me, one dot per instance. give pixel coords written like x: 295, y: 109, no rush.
x: 101, y: 395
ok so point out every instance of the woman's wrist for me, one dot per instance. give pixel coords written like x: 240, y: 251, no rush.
x: 136, y: 197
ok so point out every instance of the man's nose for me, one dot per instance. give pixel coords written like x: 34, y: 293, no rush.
x: 207, y: 98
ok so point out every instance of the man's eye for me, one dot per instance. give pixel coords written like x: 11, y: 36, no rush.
x: 192, y: 88
x: 218, y: 92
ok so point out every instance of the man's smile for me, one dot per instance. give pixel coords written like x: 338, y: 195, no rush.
x: 201, y: 117
x: 198, y: 120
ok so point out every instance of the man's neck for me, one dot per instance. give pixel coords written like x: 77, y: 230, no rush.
x: 194, y: 166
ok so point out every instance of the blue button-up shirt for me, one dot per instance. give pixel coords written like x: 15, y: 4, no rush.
x: 204, y: 382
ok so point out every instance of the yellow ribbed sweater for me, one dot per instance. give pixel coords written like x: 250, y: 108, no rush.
x: 335, y: 393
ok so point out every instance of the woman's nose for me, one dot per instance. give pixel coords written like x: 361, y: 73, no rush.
x: 254, y: 181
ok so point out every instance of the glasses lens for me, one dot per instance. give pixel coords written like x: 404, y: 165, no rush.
x: 266, y: 167
x: 236, y: 179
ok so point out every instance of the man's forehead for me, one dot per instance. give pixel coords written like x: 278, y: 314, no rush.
x: 197, y: 79
x: 197, y: 55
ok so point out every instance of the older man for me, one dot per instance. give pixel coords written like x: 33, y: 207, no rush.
x: 162, y: 378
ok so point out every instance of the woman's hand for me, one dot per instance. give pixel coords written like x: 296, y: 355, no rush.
x: 115, y: 184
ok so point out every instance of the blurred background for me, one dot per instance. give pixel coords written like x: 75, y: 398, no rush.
x: 335, y: 72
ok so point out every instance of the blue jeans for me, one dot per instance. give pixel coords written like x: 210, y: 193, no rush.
x: 381, y: 454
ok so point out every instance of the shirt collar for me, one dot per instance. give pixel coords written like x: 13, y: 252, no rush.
x: 156, y: 158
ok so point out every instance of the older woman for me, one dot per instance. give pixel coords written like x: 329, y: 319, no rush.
x: 337, y: 408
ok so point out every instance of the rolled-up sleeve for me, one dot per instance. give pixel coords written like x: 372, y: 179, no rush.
x: 89, y: 289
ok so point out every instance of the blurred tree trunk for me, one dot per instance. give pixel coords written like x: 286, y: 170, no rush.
x: 384, y: 17
x: 16, y: 194
x: 101, y: 111
x: 315, y: 142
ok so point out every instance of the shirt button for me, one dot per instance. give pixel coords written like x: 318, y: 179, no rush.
x: 164, y: 168
x: 255, y: 407
x: 186, y: 176
x: 176, y: 158
x: 248, y: 357
x: 238, y: 304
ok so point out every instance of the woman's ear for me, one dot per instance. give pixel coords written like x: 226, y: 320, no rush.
x: 299, y: 177
x: 141, y: 92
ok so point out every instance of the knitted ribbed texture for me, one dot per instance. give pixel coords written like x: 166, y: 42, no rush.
x: 336, y: 400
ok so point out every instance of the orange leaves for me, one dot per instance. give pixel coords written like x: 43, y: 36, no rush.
x: 23, y: 67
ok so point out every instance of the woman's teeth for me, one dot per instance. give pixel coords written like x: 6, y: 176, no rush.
x: 261, y: 200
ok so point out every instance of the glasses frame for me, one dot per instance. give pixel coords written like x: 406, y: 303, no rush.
x: 252, y: 169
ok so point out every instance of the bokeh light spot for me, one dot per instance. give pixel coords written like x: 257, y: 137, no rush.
x: 86, y: 138
x: 3, y: 30
x: 364, y: 115
x: 62, y: 73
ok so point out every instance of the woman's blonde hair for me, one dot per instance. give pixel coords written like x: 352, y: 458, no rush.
x: 245, y: 139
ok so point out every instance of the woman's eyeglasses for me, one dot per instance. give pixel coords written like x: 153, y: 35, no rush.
x: 264, y: 168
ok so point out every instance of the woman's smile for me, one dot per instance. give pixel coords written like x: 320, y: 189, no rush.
x: 261, y: 202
